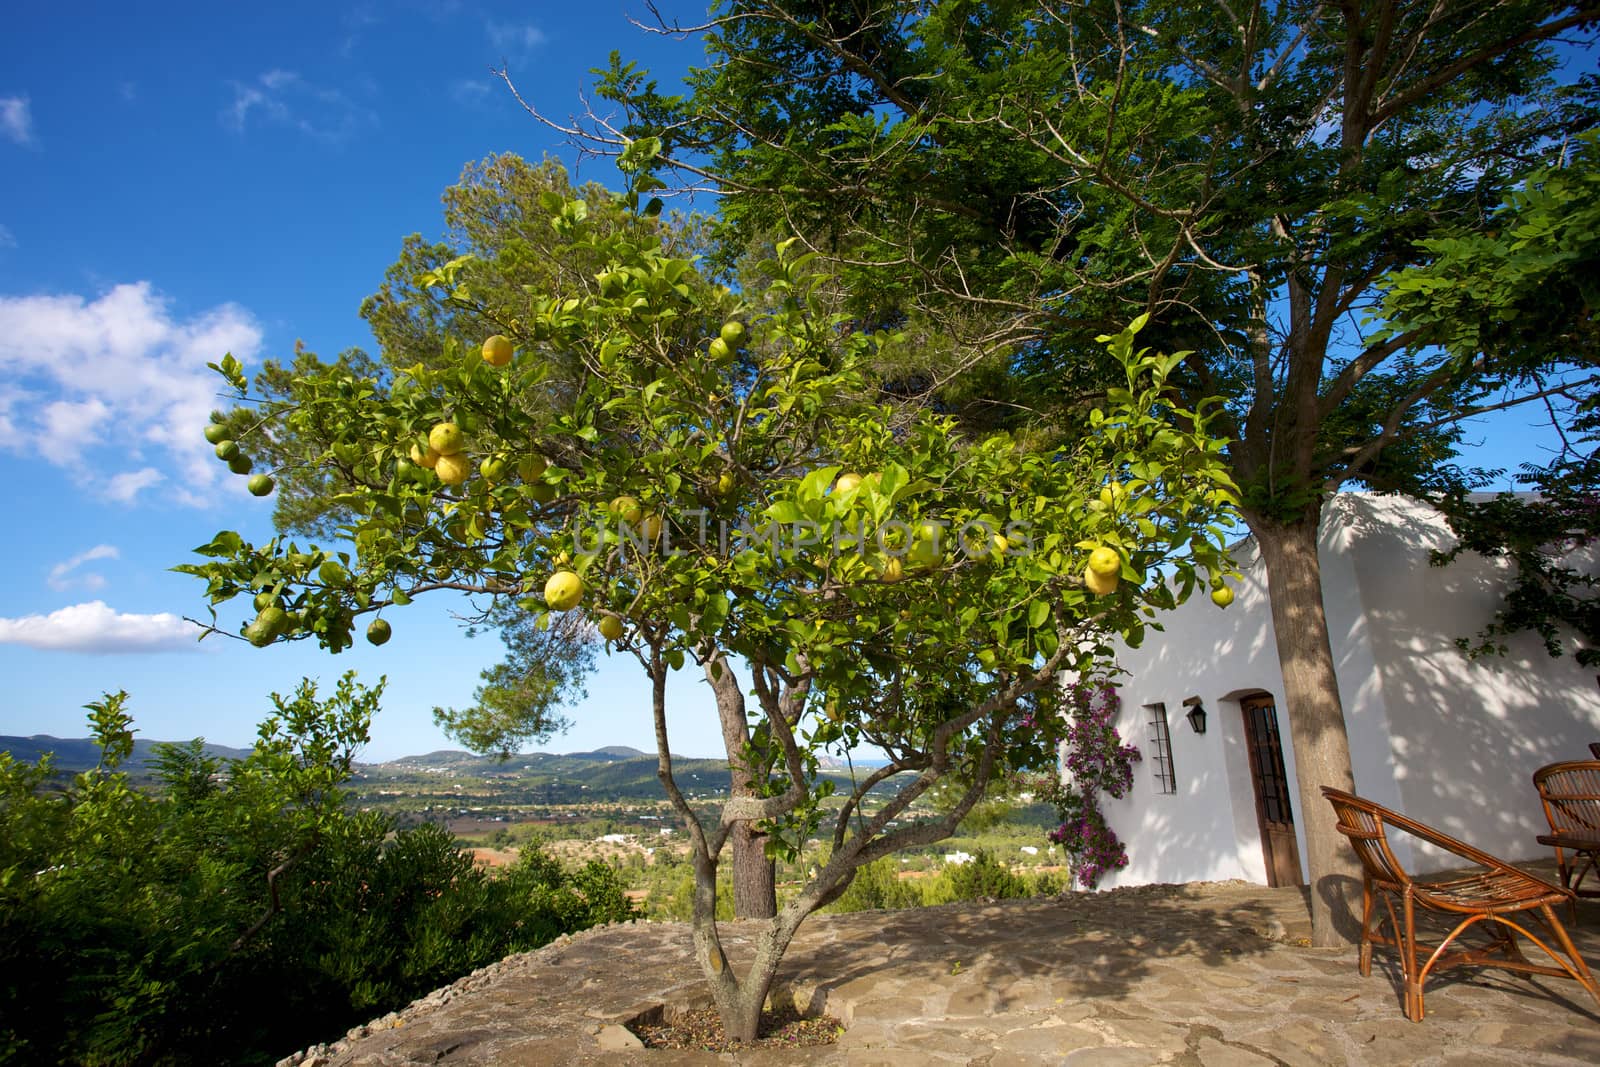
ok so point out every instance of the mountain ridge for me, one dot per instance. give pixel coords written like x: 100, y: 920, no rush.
x: 75, y: 754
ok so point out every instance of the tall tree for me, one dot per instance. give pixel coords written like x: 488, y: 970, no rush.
x: 1252, y: 175
x: 1528, y: 285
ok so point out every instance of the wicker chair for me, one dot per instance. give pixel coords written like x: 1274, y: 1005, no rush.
x: 1594, y: 749
x: 1490, y: 895
x: 1570, y: 793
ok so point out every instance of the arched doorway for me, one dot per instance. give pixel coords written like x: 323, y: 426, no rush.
x: 1270, y: 783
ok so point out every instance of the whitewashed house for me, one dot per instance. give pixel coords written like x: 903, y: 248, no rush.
x: 1449, y: 741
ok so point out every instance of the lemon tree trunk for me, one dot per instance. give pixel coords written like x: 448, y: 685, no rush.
x: 1316, y: 719
x: 755, y: 891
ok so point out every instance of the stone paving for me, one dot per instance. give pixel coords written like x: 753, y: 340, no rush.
x: 1208, y: 975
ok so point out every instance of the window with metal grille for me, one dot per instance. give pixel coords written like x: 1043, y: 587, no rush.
x: 1161, y: 749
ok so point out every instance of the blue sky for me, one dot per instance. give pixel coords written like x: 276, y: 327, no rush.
x: 234, y: 177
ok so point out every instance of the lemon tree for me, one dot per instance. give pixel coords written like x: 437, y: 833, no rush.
x: 699, y: 506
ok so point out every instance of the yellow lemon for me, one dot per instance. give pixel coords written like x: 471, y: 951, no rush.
x: 424, y: 456
x: 497, y: 351
x: 453, y: 469
x: 893, y: 570
x: 610, y: 627
x: 1222, y: 596
x: 847, y: 482
x: 626, y: 508
x: 1099, y: 584
x: 446, y: 439
x: 1105, y: 562
x: 563, y: 591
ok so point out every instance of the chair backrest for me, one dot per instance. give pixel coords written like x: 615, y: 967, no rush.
x: 1365, y: 824
x: 1570, y: 792
x: 1362, y: 822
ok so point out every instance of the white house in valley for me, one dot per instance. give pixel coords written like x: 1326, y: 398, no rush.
x: 1449, y: 741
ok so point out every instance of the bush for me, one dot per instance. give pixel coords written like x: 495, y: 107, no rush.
x: 876, y: 886
x: 981, y: 878
x: 241, y: 911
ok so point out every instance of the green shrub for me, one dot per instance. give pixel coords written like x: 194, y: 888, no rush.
x: 241, y: 911
x: 878, y: 886
x: 982, y: 877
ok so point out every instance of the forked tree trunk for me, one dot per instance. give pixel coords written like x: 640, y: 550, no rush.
x: 755, y: 887
x: 740, y: 1000
x: 1316, y: 720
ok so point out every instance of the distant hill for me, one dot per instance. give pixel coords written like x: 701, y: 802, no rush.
x: 74, y: 754
x: 613, y: 771
x: 613, y: 752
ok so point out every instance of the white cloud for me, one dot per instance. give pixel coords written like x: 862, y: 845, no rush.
x: 515, y: 37
x: 356, y: 22
x: 16, y: 119
x: 96, y: 628
x: 123, y: 487
x: 115, y: 389
x: 284, y: 98
x: 469, y: 92
x: 7, y: 238
x: 62, y: 575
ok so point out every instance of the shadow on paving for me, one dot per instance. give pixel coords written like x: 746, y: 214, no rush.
x: 1100, y: 945
x: 1199, y: 974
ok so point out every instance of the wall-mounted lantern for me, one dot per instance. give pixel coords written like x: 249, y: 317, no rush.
x: 1196, y: 714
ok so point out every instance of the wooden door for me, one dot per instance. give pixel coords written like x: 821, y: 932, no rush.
x: 1271, y: 781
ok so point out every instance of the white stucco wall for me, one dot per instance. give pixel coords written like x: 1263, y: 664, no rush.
x: 1466, y: 735
x: 1451, y: 742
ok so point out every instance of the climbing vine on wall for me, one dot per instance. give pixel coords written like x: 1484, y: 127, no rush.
x: 1094, y: 762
